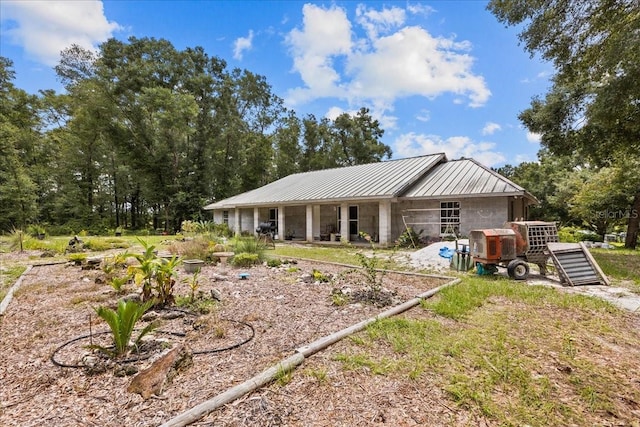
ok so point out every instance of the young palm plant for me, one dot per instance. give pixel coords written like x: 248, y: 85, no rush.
x: 145, y: 272
x: 165, y: 281
x: 122, y: 323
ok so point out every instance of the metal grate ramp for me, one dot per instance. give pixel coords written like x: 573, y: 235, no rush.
x: 575, y: 264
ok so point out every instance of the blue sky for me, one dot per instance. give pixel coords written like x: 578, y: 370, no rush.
x: 440, y: 76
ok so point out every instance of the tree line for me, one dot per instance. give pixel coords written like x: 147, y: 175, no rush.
x: 145, y: 135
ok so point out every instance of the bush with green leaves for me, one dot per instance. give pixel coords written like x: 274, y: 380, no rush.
x: 244, y: 259
x: 122, y: 322
x: 36, y: 230
x: 155, y: 274
x: 575, y: 234
x: 17, y: 239
x: 409, y: 238
x: 274, y: 262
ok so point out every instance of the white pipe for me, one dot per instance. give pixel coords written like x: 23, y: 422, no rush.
x: 291, y: 362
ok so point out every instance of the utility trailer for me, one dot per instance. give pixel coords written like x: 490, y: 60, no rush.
x: 513, y: 247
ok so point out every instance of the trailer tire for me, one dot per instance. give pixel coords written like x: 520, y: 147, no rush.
x: 518, y: 269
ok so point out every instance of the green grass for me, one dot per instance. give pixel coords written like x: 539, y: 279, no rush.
x: 620, y: 265
x: 338, y: 254
x: 9, y: 276
x: 495, y: 347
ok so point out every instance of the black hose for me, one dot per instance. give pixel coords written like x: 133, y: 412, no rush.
x: 147, y: 356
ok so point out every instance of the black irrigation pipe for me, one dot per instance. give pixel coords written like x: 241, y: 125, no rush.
x: 147, y: 356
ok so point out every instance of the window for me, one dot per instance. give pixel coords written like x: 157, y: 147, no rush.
x: 225, y: 217
x: 449, y: 218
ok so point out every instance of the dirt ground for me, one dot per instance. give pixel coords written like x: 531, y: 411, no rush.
x: 284, y: 308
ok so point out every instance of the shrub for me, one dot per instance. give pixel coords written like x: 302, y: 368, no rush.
x: 77, y: 258
x: 574, y: 235
x: 245, y: 259
x: 122, y: 322
x: 409, y: 238
x: 197, y: 248
x: 274, y: 262
x: 249, y: 245
x: 18, y: 239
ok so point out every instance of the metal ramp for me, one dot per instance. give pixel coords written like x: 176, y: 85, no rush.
x: 575, y: 264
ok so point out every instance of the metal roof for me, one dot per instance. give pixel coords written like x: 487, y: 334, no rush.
x: 373, y: 180
x: 430, y: 176
x: 464, y: 177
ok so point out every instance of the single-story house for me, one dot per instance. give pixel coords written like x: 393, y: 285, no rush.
x: 429, y: 193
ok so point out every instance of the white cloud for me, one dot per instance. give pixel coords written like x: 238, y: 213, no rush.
x: 490, y: 128
x: 404, y: 61
x: 533, y: 137
x: 420, y: 9
x: 241, y: 44
x: 334, y: 112
x: 412, y: 144
x: 44, y: 28
x: 424, y: 115
x: 375, y: 22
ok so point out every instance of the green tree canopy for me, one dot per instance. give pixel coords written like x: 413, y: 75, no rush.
x: 593, y: 106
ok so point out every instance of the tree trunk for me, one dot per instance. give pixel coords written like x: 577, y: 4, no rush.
x: 634, y: 223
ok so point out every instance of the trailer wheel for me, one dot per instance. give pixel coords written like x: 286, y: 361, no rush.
x: 518, y: 269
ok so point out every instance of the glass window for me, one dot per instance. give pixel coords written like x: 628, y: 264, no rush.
x: 449, y: 218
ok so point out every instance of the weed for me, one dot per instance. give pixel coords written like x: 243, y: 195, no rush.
x: 364, y: 361
x: 339, y: 299
x: 319, y: 276
x: 201, y: 304
x: 77, y: 258
x: 283, y: 376
x: 194, y: 284
x: 274, y: 262
x: 319, y: 374
x: 117, y: 283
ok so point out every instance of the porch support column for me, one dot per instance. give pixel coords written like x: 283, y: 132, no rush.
x: 384, y: 223
x: 256, y: 220
x: 344, y: 222
x: 236, y: 225
x: 280, y: 222
x: 309, y: 230
x: 316, y: 222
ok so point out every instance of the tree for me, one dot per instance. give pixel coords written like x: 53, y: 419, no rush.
x: 593, y: 106
x: 19, y: 125
x: 346, y: 141
x: 553, y: 180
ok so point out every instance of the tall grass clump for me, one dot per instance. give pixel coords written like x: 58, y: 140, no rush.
x: 248, y: 249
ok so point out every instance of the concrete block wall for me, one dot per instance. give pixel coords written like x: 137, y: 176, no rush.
x: 475, y: 213
x: 295, y: 222
x: 483, y: 212
x: 246, y: 221
x: 368, y: 220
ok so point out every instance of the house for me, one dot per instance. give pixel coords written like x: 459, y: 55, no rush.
x: 429, y: 193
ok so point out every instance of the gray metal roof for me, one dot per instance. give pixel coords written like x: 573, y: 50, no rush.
x: 464, y: 177
x: 374, y: 180
x: 423, y: 177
